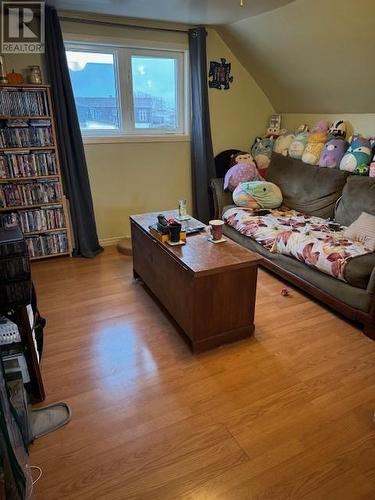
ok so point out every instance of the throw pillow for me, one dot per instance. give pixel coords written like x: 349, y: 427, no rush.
x: 257, y: 194
x: 363, y: 230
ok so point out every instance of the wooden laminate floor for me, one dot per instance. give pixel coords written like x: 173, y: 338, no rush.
x: 284, y: 415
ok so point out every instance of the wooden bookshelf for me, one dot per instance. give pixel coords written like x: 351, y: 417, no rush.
x: 42, y: 231
x: 26, y: 117
x: 25, y: 149
x: 30, y: 207
x: 39, y: 177
x: 52, y: 255
x: 17, y: 168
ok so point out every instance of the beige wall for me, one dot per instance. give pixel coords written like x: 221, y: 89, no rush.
x: 240, y: 114
x: 355, y: 123
x: 135, y: 177
x: 311, y: 56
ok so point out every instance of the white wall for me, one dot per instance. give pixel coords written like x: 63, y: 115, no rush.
x: 356, y: 123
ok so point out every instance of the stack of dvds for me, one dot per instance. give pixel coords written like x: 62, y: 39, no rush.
x: 45, y: 219
x: 29, y: 193
x: 39, y: 220
x: 23, y: 103
x: 47, y: 244
x: 25, y: 136
x: 27, y: 165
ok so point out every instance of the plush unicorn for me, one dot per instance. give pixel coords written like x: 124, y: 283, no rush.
x: 332, y: 153
x: 358, y: 156
x: 315, y: 143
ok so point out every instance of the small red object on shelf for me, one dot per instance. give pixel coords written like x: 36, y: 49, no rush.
x: 285, y: 292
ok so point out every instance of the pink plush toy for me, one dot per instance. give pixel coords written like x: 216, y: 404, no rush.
x: 372, y: 168
x: 243, y: 169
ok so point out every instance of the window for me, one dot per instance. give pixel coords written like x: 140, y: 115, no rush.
x: 122, y: 91
x: 94, y: 82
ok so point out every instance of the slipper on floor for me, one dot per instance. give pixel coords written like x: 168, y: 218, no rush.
x: 49, y: 418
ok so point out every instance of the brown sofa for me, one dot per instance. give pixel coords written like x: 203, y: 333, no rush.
x: 325, y: 193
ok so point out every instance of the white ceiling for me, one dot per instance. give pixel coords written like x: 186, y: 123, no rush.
x: 182, y: 11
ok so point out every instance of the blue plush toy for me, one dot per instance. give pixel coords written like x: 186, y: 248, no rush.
x: 261, y: 151
x: 358, y: 156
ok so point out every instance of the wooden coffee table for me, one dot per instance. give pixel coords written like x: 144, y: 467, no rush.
x: 209, y: 289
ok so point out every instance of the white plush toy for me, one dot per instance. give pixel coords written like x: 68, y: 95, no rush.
x: 283, y: 142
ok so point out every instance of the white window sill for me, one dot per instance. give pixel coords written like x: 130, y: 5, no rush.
x: 135, y: 138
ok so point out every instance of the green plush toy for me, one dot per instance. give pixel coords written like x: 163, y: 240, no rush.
x: 257, y: 194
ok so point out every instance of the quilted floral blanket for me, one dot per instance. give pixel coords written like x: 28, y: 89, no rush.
x: 303, y: 237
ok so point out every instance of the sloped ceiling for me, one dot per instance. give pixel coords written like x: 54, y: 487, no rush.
x: 311, y: 56
x: 182, y: 11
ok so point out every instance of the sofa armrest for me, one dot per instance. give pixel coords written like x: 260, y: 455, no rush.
x: 221, y: 197
x: 371, y: 283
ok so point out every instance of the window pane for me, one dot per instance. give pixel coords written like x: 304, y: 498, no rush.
x: 93, y: 78
x: 154, y: 92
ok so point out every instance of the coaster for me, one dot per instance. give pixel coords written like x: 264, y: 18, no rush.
x: 222, y: 240
x: 178, y: 243
x: 183, y: 217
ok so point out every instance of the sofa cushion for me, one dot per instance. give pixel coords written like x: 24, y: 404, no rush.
x: 362, y: 229
x: 358, y: 196
x: 358, y: 270
x: 307, y: 239
x: 353, y: 296
x: 307, y: 188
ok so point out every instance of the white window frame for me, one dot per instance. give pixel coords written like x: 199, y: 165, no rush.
x: 123, y: 51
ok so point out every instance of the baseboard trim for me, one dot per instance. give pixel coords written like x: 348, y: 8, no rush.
x: 107, y: 242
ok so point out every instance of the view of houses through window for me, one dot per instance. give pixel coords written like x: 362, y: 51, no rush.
x: 152, y: 101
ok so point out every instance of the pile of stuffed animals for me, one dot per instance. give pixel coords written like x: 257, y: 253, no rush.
x: 248, y: 186
x: 325, y: 146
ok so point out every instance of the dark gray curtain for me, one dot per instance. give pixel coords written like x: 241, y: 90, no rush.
x: 202, y: 158
x: 72, y: 155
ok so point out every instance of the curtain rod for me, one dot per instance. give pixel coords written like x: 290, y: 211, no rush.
x: 119, y: 25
